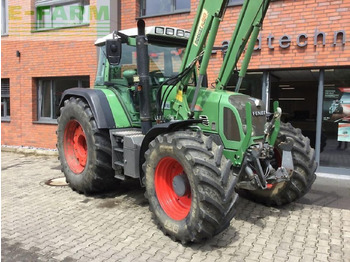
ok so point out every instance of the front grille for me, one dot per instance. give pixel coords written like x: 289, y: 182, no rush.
x: 258, y: 118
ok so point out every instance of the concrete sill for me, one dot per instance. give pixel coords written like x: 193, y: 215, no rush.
x: 47, y: 122
x: 165, y: 14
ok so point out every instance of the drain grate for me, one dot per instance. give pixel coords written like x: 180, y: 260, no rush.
x: 60, y: 181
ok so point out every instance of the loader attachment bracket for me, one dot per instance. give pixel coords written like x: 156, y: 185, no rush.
x: 257, y: 171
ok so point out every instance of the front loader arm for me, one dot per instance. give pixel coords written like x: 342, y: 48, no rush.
x: 248, y: 26
x: 208, y: 10
x: 201, y: 41
x: 199, y: 47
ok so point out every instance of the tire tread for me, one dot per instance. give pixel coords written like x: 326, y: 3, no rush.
x: 214, y: 179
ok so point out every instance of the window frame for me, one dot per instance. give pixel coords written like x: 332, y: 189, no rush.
x: 52, y: 119
x: 55, y: 4
x: 5, y: 16
x: 173, y: 9
x: 5, y: 117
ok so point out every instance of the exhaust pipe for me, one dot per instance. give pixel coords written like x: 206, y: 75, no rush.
x: 143, y: 87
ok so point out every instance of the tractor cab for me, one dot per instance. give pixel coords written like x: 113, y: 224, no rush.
x: 166, y: 47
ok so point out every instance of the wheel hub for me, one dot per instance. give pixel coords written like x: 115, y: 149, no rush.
x: 181, y: 185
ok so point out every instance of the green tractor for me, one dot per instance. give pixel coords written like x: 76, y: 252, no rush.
x: 151, y: 117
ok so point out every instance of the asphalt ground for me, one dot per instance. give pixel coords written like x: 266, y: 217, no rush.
x: 54, y: 223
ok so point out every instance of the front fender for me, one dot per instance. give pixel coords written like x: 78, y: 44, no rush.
x: 158, y: 130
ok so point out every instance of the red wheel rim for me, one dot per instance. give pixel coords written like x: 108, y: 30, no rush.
x: 75, y: 148
x: 176, y: 207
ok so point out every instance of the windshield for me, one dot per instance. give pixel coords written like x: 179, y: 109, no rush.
x: 164, y: 62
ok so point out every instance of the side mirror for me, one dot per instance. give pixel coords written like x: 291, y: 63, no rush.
x: 114, y: 51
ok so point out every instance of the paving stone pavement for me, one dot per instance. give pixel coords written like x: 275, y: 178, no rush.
x: 45, y: 223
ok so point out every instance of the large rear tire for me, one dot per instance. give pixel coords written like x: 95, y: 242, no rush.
x: 84, y: 150
x: 302, y: 177
x: 202, y: 201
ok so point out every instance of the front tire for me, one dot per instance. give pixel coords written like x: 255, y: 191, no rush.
x: 84, y: 150
x: 204, y: 203
x: 302, y: 177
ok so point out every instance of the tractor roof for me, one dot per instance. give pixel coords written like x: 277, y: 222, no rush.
x: 158, y: 32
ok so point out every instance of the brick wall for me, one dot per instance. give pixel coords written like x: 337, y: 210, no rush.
x: 284, y: 17
x: 54, y: 53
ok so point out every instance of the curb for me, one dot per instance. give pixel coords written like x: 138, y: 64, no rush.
x: 333, y: 176
x: 30, y: 151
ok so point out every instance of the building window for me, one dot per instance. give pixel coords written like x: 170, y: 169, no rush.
x: 61, y: 13
x: 50, y: 92
x: 156, y: 7
x: 235, y: 2
x: 5, y: 99
x: 4, y: 17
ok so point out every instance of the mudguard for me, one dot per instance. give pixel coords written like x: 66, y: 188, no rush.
x: 98, y: 103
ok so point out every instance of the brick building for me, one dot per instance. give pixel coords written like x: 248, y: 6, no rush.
x: 47, y: 47
x: 302, y: 59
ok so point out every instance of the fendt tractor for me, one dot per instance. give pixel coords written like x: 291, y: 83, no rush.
x: 152, y: 117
